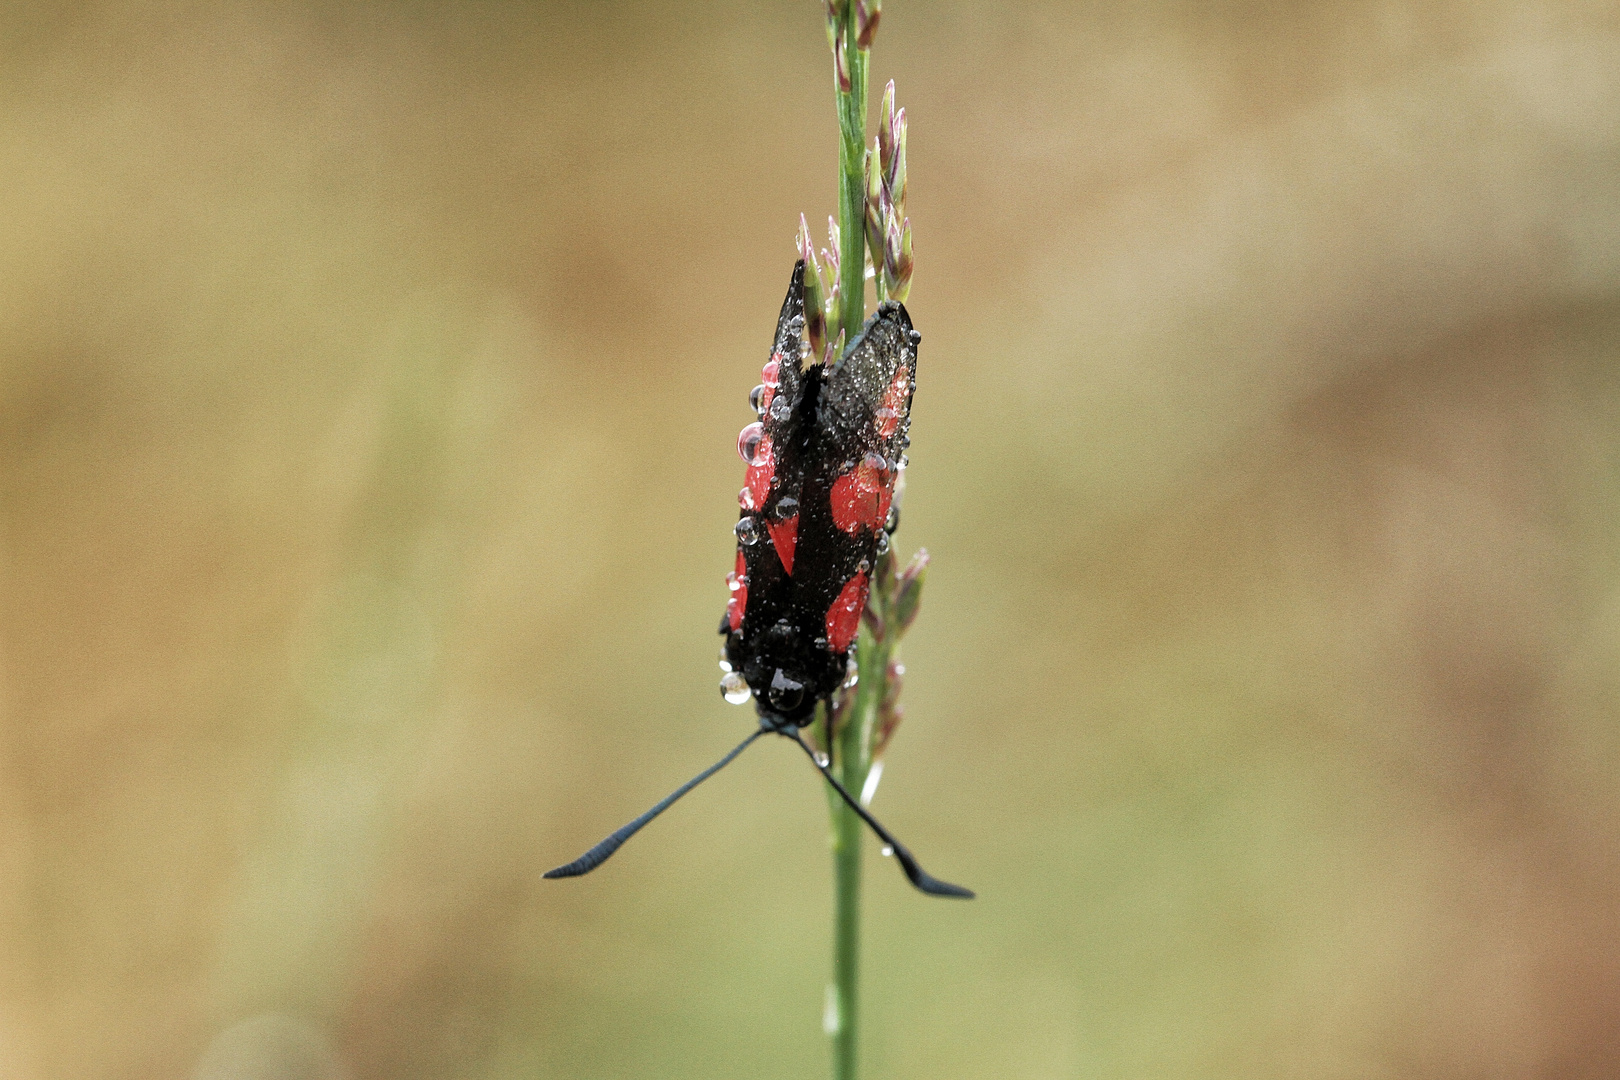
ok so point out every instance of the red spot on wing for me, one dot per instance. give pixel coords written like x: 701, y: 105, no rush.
x: 737, y: 581
x: 785, y: 535
x: 860, y: 498
x: 844, y: 617
x: 894, y: 401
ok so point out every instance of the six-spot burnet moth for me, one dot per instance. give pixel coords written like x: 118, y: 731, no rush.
x: 822, y: 459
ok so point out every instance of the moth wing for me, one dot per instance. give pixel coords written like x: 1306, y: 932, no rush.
x: 863, y: 413
x: 866, y: 404
x: 766, y: 543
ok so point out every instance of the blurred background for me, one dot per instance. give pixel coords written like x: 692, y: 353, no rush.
x: 369, y: 383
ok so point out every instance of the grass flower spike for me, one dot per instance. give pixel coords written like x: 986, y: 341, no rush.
x: 888, y: 229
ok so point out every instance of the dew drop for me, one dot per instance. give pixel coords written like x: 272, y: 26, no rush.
x: 892, y: 522
x: 869, y: 788
x: 887, y: 851
x: 734, y: 688
x: 725, y: 665
x: 747, y: 531
x: 850, y: 680
x: 882, y: 542
x: 771, y: 373
x: 733, y: 582
x: 820, y: 643
x: 787, y: 507
x: 875, y: 462
x: 822, y: 759
x: 756, y: 399
x: 883, y: 416
x: 745, y: 499
x: 786, y: 692
x: 865, y: 566
x: 903, y: 462
x: 749, y: 440
x: 780, y: 410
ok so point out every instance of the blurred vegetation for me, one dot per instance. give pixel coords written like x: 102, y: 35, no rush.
x: 369, y: 379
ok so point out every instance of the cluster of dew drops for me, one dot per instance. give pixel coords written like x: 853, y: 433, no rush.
x: 755, y: 450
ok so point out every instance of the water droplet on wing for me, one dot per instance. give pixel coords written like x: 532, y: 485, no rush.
x: 749, y: 440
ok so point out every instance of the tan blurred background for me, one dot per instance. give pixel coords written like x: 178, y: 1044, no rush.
x: 369, y: 379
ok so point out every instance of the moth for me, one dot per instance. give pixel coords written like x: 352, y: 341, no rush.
x: 816, y: 512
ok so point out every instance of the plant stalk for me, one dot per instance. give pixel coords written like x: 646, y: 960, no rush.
x: 852, y: 760
x: 852, y: 754
x: 851, y: 745
x: 852, y: 195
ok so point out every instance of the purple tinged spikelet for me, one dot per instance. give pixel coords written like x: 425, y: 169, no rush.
x: 867, y: 14
x: 841, y: 59
x: 903, y: 266
x: 896, y: 173
x: 874, y: 200
x: 908, y: 590
x: 815, y: 303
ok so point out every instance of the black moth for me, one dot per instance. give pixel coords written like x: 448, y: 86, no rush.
x: 822, y: 464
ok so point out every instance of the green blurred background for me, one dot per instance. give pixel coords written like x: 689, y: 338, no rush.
x: 369, y: 380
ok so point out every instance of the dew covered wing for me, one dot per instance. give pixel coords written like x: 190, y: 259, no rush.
x: 821, y: 467
x: 863, y: 417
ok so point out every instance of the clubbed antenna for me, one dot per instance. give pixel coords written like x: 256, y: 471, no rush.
x: 615, y: 840
x: 919, y: 877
